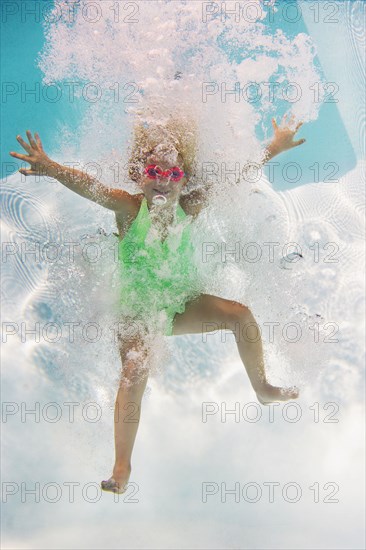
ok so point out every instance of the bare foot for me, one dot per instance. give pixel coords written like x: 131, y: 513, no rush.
x: 118, y: 482
x: 270, y: 394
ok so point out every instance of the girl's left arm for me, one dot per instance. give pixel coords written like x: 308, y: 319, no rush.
x: 283, y: 138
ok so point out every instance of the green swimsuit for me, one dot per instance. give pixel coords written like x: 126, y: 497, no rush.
x: 157, y: 277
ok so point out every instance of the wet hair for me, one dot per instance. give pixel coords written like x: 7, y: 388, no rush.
x: 174, y: 140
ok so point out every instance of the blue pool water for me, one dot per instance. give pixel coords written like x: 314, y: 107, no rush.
x: 23, y: 38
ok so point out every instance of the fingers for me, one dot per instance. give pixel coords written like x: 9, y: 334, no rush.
x: 28, y: 172
x: 287, y: 119
x: 24, y: 144
x: 274, y: 124
x: 19, y: 156
x: 38, y: 140
x: 283, y: 119
x: 31, y: 140
x: 299, y: 142
x: 292, y: 120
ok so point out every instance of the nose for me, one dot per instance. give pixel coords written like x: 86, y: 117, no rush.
x: 164, y: 180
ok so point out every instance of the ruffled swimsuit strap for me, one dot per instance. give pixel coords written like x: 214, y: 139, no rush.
x: 141, y: 224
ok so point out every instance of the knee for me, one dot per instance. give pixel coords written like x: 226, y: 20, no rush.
x: 132, y: 375
x: 240, y: 312
x: 135, y: 365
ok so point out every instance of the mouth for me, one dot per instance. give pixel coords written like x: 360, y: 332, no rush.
x: 161, y: 192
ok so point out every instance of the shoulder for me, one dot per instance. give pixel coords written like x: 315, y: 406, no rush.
x: 130, y: 206
x: 128, y: 210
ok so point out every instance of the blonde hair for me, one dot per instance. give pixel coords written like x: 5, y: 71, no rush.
x: 176, y: 137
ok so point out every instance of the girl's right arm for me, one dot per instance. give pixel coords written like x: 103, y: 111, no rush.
x: 76, y: 180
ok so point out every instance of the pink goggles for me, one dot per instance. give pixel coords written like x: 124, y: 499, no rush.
x: 154, y: 172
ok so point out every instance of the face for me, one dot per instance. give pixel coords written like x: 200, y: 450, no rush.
x: 162, y: 185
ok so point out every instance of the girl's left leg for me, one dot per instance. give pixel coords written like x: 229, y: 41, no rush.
x: 209, y: 313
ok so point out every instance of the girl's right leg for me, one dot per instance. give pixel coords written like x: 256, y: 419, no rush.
x: 134, y: 356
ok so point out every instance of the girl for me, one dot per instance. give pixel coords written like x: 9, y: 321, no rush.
x: 153, y: 228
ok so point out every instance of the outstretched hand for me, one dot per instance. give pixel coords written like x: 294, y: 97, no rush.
x: 37, y: 158
x: 284, y: 134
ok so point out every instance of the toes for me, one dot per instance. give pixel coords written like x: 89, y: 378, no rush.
x: 108, y: 484
x: 112, y: 485
x: 278, y: 394
x: 293, y: 392
x: 264, y: 402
